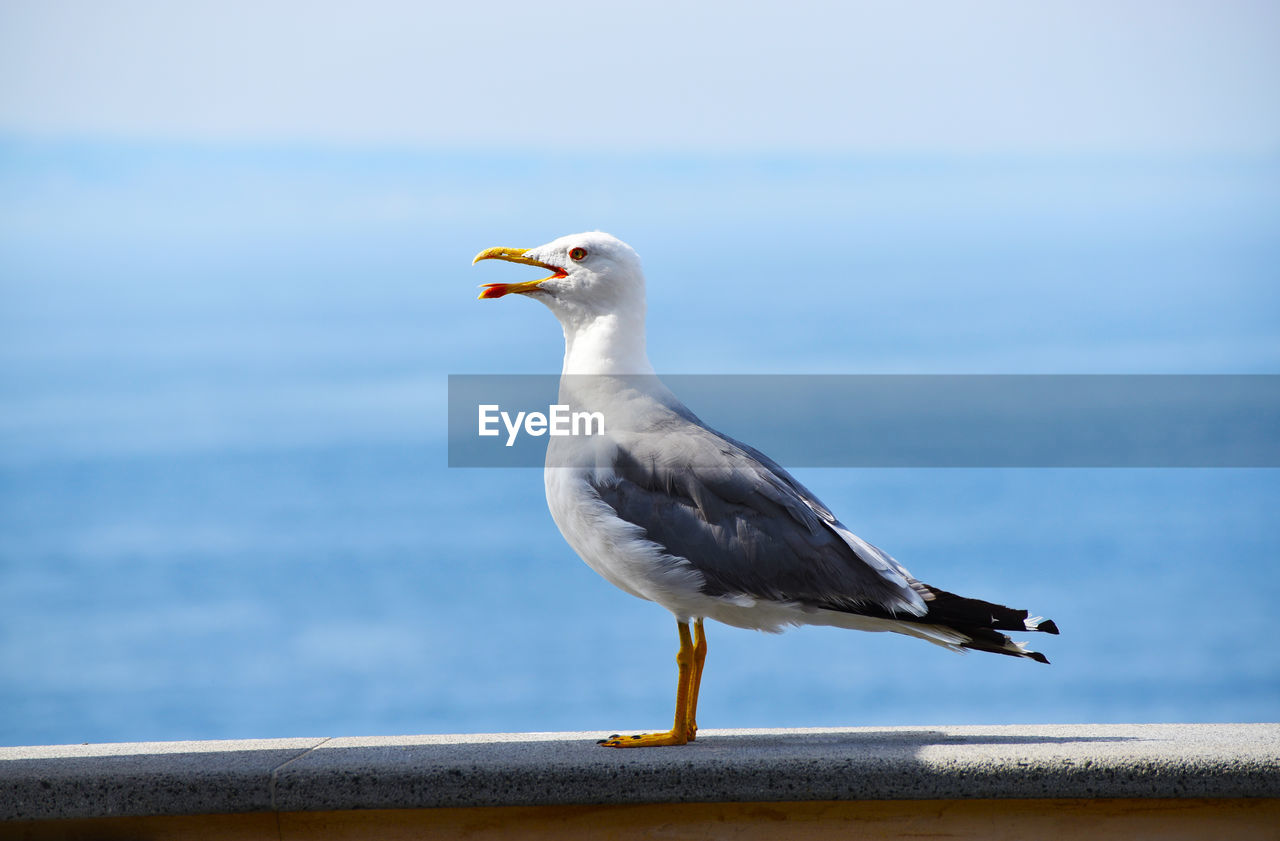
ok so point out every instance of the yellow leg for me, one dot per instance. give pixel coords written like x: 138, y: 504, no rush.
x: 695, y: 681
x: 686, y: 698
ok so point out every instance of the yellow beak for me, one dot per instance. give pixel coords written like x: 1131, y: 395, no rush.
x: 514, y: 255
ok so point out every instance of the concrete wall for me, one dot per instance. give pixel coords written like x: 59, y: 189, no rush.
x: 1129, y: 781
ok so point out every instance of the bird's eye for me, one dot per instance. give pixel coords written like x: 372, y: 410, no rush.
x: 577, y: 253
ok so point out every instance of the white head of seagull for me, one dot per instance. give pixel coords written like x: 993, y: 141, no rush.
x: 596, y: 290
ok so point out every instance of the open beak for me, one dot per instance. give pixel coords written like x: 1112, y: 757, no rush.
x: 514, y: 255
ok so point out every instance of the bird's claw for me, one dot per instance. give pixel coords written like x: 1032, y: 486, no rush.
x: 645, y: 740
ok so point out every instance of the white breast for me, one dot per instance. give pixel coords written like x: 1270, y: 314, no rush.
x: 618, y: 550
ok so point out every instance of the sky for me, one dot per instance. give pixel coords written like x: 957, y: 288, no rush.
x: 996, y: 76
x: 235, y: 270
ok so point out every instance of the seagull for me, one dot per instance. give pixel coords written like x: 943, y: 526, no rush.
x: 672, y: 511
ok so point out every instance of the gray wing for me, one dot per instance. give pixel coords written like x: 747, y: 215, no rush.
x: 746, y: 524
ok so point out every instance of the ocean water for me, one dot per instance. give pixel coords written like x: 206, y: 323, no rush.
x: 225, y: 509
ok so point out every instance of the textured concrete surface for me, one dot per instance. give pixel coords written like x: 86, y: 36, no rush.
x: 144, y: 778
x: 1073, y: 761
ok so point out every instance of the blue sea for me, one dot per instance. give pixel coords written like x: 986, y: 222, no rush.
x: 226, y: 510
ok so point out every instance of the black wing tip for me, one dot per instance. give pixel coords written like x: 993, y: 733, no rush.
x: 1047, y: 626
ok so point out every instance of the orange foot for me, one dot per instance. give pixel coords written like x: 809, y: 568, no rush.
x: 645, y: 740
